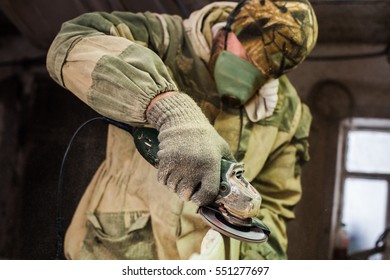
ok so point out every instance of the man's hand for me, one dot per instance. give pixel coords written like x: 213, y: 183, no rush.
x: 190, y: 149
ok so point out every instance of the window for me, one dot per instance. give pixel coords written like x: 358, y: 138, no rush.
x: 362, y: 191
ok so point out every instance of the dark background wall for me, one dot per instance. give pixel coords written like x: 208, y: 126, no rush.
x: 38, y: 118
x: 334, y: 90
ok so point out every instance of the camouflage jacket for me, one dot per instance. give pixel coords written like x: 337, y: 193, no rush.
x: 116, y: 63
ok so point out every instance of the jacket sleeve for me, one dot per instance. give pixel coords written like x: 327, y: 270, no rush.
x: 112, y: 62
x: 279, y: 183
x: 280, y: 191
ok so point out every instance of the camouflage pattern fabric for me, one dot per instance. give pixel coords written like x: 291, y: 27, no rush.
x: 277, y: 34
x: 116, y: 63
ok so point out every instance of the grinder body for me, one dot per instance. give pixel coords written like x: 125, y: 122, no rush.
x: 237, y: 203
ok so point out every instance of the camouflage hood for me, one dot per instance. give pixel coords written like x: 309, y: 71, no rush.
x: 198, y: 26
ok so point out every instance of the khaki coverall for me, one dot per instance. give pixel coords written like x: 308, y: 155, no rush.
x: 116, y: 63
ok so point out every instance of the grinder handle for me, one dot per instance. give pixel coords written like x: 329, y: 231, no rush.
x: 145, y: 140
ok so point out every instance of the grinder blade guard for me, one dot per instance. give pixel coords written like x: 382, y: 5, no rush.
x: 233, y: 211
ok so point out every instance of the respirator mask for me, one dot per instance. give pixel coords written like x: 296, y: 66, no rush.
x: 237, y: 79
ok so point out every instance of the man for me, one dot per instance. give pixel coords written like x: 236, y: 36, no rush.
x: 213, y: 86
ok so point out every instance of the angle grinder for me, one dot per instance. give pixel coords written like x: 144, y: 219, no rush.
x: 233, y: 212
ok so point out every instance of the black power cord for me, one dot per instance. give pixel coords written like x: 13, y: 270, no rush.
x: 60, y: 190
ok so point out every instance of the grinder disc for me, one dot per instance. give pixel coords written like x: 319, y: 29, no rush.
x: 256, y: 232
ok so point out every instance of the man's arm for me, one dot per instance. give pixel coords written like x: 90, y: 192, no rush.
x: 111, y: 64
x: 122, y: 78
x: 279, y: 183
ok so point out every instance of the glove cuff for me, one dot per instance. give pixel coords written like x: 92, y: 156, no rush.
x: 174, y: 110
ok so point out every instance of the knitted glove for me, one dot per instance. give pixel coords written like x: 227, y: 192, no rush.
x: 190, y: 149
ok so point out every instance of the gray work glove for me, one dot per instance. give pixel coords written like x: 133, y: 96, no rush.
x: 190, y: 149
